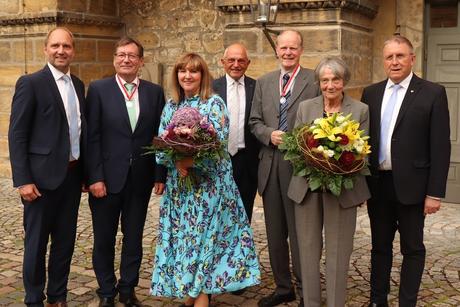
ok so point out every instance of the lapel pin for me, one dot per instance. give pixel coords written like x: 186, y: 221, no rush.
x: 411, y: 91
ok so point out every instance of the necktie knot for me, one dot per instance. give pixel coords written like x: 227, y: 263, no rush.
x: 129, y: 87
x: 66, y: 78
x: 285, y: 79
x: 396, y: 87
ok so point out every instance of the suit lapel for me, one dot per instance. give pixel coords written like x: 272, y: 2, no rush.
x: 249, y: 89
x: 142, y: 99
x: 275, y: 89
x: 119, y: 103
x: 408, y: 99
x: 55, y: 90
x: 317, y: 111
x: 346, y: 105
x: 299, y: 86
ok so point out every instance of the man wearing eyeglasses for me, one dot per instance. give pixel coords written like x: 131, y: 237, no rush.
x: 123, y: 117
x: 237, y: 90
x: 409, y: 137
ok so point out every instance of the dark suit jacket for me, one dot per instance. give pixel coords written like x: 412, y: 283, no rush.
x: 252, y: 145
x: 264, y: 117
x: 312, y: 109
x: 420, y: 145
x: 113, y: 148
x: 38, y: 135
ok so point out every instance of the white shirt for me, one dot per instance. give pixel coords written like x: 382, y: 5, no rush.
x: 386, y: 165
x: 135, y: 98
x: 57, y: 75
x: 231, y: 101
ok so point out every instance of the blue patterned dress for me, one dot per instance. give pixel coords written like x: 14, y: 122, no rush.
x: 204, y: 243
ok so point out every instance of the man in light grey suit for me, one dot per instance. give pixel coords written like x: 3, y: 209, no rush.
x: 276, y: 98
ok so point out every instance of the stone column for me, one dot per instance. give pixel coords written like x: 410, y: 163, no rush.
x: 23, y: 26
x: 341, y: 28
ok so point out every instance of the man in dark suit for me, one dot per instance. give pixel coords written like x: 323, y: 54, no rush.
x: 274, y: 107
x: 123, y: 117
x: 237, y: 90
x: 47, y: 125
x: 409, y: 136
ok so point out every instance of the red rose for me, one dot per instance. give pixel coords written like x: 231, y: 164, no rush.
x: 347, y: 158
x: 344, y: 139
x: 312, y: 142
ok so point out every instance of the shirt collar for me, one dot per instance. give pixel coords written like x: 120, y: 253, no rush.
x: 230, y: 80
x: 57, y: 74
x: 135, y: 81
x: 404, y: 83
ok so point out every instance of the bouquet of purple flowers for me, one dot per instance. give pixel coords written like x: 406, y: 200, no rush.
x: 188, y: 134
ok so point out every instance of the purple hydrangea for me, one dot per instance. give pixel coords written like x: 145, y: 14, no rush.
x: 186, y: 116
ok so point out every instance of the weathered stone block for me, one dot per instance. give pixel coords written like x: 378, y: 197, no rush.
x: 6, y: 95
x: 148, y: 40
x: 4, y: 147
x: 9, y: 75
x: 213, y: 43
x: 40, y: 6
x: 85, y: 50
x: 74, y: 6
x: 105, y: 50
x: 5, y: 168
x: 248, y: 37
x: 5, y: 52
x: 10, y: 6
x: 90, y: 72
x: 19, y: 49
x: 4, y: 123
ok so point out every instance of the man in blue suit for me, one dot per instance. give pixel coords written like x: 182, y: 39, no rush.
x: 123, y: 117
x: 47, y: 129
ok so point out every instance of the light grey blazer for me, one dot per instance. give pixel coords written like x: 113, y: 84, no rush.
x: 308, y: 111
x: 264, y: 117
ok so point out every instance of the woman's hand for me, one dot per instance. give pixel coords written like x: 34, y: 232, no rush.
x: 183, y: 166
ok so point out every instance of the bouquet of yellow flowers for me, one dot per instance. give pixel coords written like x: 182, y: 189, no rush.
x: 329, y: 151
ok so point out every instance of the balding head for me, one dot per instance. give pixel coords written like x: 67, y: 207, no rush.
x: 235, y: 60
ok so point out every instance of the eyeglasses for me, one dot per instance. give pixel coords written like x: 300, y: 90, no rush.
x: 122, y: 56
x: 233, y: 61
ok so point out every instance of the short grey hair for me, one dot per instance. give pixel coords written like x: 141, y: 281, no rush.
x: 337, y: 65
x: 400, y: 40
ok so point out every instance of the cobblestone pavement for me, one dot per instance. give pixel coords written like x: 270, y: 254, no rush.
x: 440, y: 285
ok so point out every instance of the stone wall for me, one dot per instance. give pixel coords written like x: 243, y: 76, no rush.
x: 169, y: 28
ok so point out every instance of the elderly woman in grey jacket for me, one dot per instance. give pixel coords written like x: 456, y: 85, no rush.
x: 315, y: 211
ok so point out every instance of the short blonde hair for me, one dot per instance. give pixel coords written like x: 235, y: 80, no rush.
x: 191, y: 61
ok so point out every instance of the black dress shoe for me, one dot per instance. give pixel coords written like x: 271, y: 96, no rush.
x: 378, y: 305
x: 106, y: 302
x: 130, y: 300
x: 276, y: 299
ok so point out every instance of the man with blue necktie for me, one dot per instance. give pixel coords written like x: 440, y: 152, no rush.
x: 123, y: 117
x: 276, y: 99
x: 410, y: 140
x: 46, y: 134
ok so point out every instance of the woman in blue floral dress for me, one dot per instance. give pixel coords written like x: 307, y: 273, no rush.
x: 205, y: 244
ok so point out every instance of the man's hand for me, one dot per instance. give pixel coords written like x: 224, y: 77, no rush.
x: 277, y: 137
x: 159, y: 188
x: 183, y: 166
x: 98, y: 189
x: 432, y: 205
x: 29, y: 192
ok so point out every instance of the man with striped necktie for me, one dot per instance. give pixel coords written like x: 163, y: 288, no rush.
x: 274, y: 107
x: 123, y: 117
